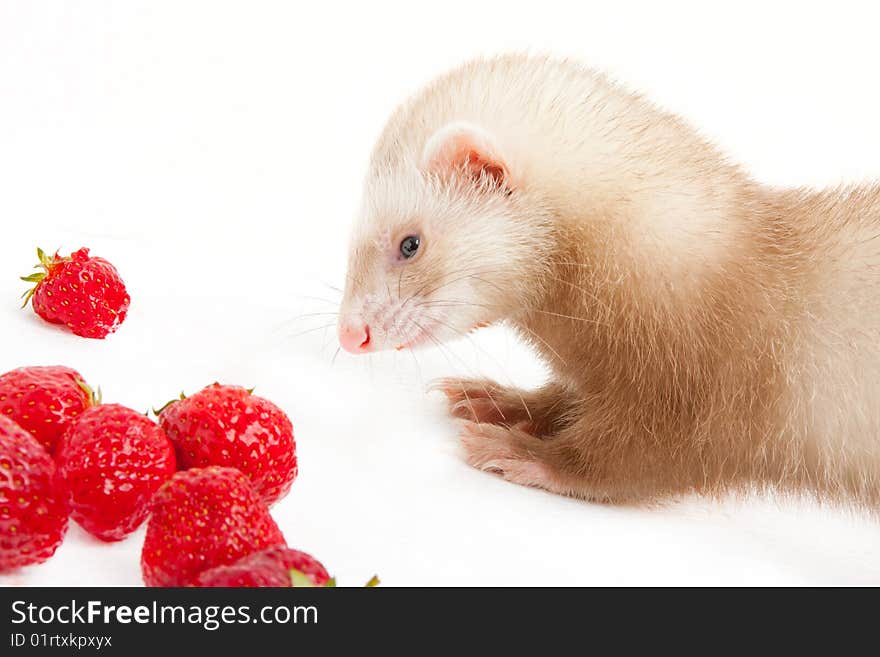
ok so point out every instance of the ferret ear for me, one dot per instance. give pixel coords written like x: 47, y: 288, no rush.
x: 463, y: 149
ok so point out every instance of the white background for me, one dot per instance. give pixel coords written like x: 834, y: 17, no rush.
x: 214, y: 152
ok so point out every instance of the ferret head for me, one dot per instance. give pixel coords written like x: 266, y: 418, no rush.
x: 446, y: 241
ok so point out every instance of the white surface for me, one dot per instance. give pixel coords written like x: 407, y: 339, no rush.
x: 215, y: 155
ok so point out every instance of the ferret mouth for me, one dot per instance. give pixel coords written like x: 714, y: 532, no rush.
x: 417, y: 338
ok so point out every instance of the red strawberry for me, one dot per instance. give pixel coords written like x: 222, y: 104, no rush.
x: 113, y: 459
x: 33, y: 500
x: 229, y: 426
x: 269, y: 567
x: 84, y: 293
x: 202, y: 518
x: 44, y: 400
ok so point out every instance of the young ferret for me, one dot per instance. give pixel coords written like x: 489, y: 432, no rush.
x: 705, y: 333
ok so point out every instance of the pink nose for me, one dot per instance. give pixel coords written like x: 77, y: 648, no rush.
x: 355, y: 337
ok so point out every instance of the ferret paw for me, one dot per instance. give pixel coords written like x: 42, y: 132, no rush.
x: 481, y: 401
x: 501, y: 450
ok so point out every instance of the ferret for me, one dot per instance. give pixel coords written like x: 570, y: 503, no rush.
x: 705, y: 333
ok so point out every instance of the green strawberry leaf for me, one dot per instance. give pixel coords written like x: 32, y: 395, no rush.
x: 95, y: 395
x: 167, y: 404
x: 299, y: 579
x: 27, y: 296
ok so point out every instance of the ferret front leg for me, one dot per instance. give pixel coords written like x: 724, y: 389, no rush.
x: 563, y: 463
x: 506, y: 451
x: 484, y: 401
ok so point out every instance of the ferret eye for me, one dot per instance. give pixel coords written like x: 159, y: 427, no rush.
x: 409, y: 246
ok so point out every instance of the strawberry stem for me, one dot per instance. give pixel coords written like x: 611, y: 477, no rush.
x: 46, y: 263
x: 95, y: 396
x: 167, y: 404
x: 299, y: 579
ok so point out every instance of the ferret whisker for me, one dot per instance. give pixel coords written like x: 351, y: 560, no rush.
x: 440, y: 303
x: 545, y: 343
x: 311, y: 330
x: 421, y: 291
x: 580, y: 288
x: 571, y: 264
x: 489, y: 283
x: 406, y: 335
x: 322, y: 299
x: 329, y: 313
x: 297, y: 318
x: 490, y: 357
x: 453, y: 303
x: 465, y: 274
x: 446, y: 353
x: 587, y: 320
x: 416, y: 361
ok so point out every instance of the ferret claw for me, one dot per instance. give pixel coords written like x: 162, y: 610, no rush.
x: 499, y: 450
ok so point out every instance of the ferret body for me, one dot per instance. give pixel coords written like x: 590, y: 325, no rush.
x: 705, y: 333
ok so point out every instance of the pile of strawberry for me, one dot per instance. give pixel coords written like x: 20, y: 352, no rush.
x: 204, y: 473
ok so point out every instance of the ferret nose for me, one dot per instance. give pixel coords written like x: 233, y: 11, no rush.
x: 354, y: 337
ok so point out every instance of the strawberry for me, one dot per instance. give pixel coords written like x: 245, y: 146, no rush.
x: 229, y: 426
x: 114, y: 459
x: 203, y: 518
x: 33, y: 499
x: 84, y: 293
x: 269, y: 567
x: 44, y: 400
